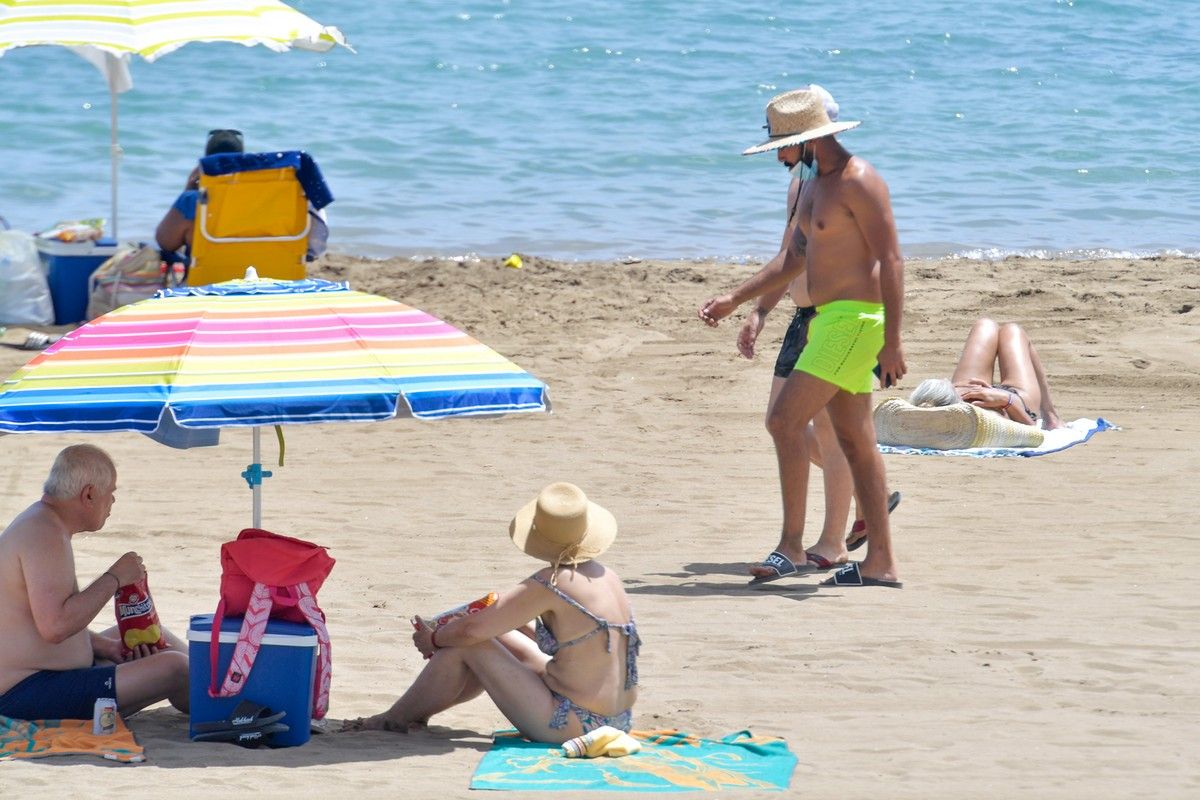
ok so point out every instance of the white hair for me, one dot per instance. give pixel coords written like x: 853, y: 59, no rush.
x: 78, y: 466
x: 934, y: 392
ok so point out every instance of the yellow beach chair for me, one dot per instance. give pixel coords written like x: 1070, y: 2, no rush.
x: 253, y: 211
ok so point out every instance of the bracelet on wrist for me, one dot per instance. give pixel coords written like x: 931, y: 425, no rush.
x: 114, y: 577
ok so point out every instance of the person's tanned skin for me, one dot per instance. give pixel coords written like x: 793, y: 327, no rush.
x: 852, y: 253
x: 44, y: 624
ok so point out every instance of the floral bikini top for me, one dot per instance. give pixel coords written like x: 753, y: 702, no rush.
x: 548, y: 643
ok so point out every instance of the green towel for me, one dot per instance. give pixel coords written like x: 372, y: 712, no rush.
x: 669, y: 761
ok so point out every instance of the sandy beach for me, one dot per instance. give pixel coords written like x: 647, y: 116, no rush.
x: 1046, y: 643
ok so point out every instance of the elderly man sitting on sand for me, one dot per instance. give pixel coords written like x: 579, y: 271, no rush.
x: 51, y: 665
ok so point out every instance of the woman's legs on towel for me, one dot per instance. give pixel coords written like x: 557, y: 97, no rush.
x: 1016, y: 363
x: 509, y: 669
x: 978, y: 359
x: 1019, y: 364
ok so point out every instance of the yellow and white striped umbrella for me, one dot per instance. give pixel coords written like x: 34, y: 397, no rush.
x: 108, y: 32
x: 153, y: 28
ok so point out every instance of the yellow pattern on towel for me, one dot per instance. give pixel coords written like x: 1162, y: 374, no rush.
x: 66, y: 737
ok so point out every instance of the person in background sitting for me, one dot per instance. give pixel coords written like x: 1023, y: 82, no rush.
x: 174, y: 231
x: 573, y: 671
x: 1022, y: 393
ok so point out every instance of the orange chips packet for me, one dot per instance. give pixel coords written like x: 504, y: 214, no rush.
x: 464, y: 610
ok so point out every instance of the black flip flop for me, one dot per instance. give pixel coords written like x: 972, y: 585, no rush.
x: 244, y: 737
x: 893, y: 501
x: 850, y: 575
x: 246, y: 715
x: 784, y: 568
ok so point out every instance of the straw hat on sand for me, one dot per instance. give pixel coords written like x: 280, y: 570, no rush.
x: 795, y: 117
x: 952, y: 427
x: 562, y: 526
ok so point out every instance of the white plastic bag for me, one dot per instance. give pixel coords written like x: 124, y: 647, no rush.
x: 24, y: 292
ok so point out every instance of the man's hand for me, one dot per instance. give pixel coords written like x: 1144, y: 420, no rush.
x: 891, y: 365
x: 193, y: 181
x: 717, y: 309
x: 107, y: 648
x: 748, y: 335
x: 128, y: 568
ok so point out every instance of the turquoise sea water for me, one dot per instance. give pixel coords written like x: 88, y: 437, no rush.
x: 612, y: 129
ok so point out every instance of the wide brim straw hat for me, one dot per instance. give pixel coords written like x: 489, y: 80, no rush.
x: 562, y: 526
x: 795, y: 117
x: 953, y: 427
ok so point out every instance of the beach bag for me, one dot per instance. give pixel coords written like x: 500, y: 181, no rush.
x: 130, y: 275
x: 267, y: 576
x: 24, y: 291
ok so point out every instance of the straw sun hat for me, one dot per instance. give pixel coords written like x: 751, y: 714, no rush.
x: 562, y: 526
x: 795, y: 117
x: 952, y: 427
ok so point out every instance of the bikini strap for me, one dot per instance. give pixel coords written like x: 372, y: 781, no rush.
x: 571, y: 601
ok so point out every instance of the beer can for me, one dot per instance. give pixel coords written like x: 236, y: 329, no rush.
x: 104, y: 716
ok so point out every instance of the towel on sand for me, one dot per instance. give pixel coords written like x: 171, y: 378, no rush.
x: 669, y: 761
x: 66, y: 737
x: 1074, y: 433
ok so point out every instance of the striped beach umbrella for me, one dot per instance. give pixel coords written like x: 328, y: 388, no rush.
x: 248, y: 353
x: 109, y: 32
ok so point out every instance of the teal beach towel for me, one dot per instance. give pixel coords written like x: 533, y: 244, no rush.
x: 669, y: 761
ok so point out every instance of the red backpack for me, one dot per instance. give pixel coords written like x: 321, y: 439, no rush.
x: 267, y: 576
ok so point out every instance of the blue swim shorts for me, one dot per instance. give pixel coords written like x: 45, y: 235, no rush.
x: 59, y: 694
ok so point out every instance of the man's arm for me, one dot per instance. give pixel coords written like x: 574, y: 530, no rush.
x: 59, y: 609
x: 868, y: 199
x: 752, y: 327
x: 769, y: 283
x: 172, y: 231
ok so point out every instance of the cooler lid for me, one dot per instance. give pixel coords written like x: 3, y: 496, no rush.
x: 279, y: 632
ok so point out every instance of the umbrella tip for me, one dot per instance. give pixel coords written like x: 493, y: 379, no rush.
x: 251, y: 274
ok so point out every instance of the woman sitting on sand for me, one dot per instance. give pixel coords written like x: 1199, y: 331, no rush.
x: 1022, y: 393
x: 557, y: 654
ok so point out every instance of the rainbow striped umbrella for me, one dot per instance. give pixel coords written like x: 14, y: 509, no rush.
x: 256, y: 352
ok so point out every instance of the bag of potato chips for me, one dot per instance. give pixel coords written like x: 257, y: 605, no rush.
x: 137, y: 621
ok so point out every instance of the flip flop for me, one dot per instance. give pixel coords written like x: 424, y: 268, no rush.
x: 246, y: 715
x: 854, y: 544
x: 850, y: 575
x: 243, y: 737
x: 823, y: 564
x: 784, y: 568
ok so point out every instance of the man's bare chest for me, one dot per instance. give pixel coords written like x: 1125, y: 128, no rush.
x: 822, y: 214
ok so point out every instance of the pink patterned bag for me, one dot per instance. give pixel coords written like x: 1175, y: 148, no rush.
x: 267, y: 576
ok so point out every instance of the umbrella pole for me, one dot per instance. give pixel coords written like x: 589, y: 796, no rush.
x: 254, y: 475
x: 114, y: 157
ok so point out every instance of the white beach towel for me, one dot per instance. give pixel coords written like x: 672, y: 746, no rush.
x: 1074, y: 433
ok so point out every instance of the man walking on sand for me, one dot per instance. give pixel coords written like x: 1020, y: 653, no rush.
x: 845, y: 239
x: 832, y: 548
x: 51, y: 665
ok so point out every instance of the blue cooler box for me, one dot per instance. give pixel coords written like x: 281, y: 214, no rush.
x: 68, y: 267
x: 281, y: 679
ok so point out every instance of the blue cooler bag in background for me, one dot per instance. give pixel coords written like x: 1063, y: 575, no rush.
x: 282, y: 678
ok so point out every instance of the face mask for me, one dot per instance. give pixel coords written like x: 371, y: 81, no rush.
x: 805, y: 172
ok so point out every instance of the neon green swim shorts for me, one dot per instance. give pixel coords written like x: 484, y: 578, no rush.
x: 844, y: 340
